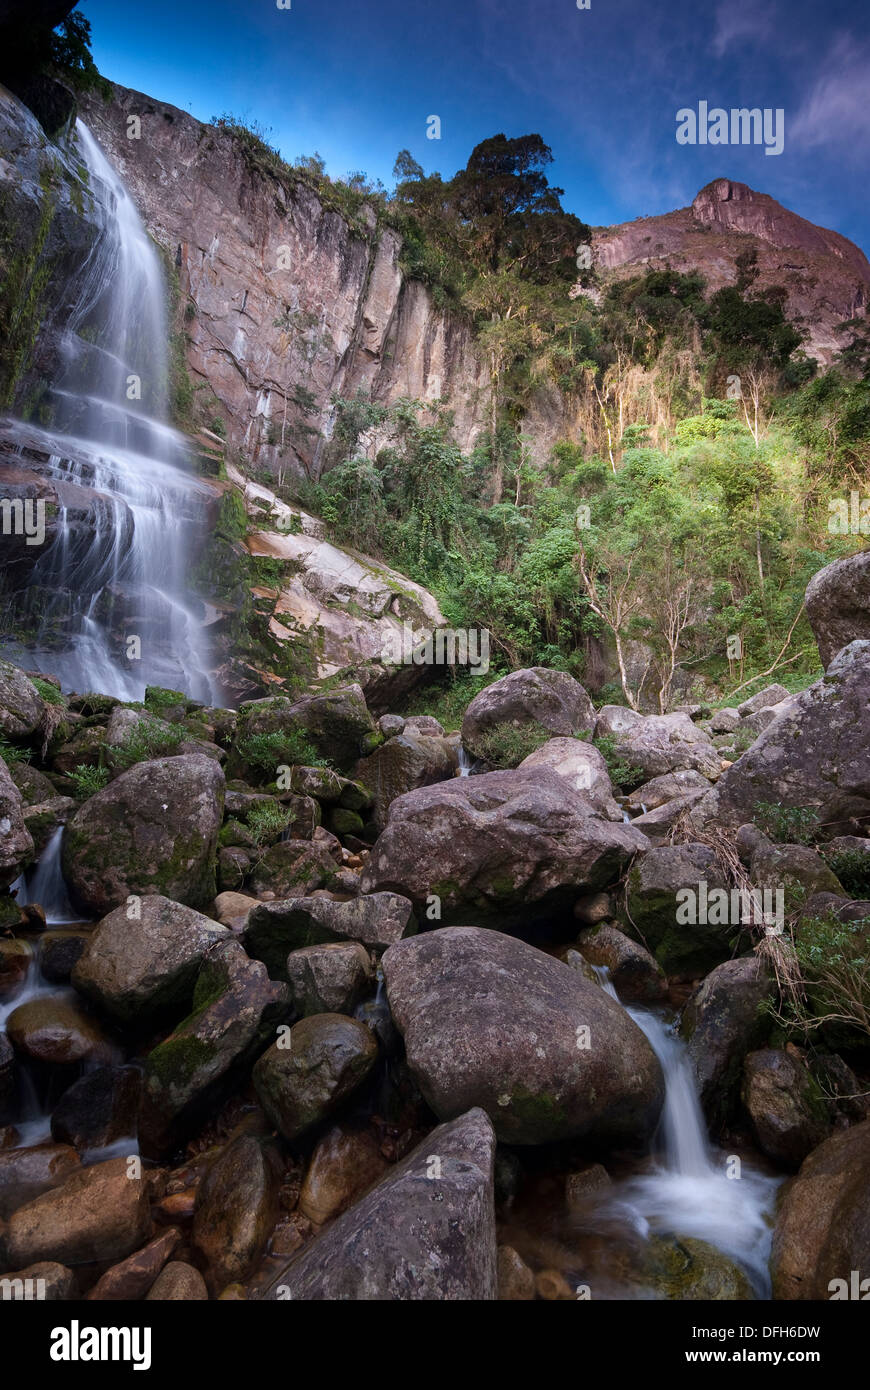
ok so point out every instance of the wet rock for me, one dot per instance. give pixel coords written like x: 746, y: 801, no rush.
x: 87, y: 748
x: 552, y: 1286
x: 137, y: 968
x: 26, y: 1173
x: 234, y: 865
x: 58, y: 953
x: 15, y: 958
x: 658, y: 910
x: 275, y: 929
x: 100, y: 1213
x: 838, y: 606
x: 236, y: 1206
x: 151, y: 831
x: 236, y: 1009
x: 516, y: 1282
x: 324, y: 1060
x: 292, y: 868
x: 637, y: 976
x: 657, y: 744
x: 585, y: 1184
x: 20, y: 703
x: 98, y: 1109
x: 178, y: 1282
x: 501, y: 847
x: 330, y: 978
x: 721, y: 1023
x: 537, y: 699
x: 52, y: 1029
x: 686, y: 1269
x: 415, y: 1235
x: 47, y: 1282
x: 584, y: 767
x: 7, y: 1070
x: 785, y: 1106
x: 492, y: 1022
x: 344, y: 1165
x: 822, y: 1231
x: 16, y: 843
x: 130, y: 1280
x: 592, y: 908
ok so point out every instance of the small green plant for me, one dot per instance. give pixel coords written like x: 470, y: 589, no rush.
x: 852, y: 867
x: 622, y: 774
x: 266, y: 821
x: 787, y: 825
x: 88, y: 780
x: 505, y: 746
x: 11, y: 754
x: 834, y: 962
x: 146, y: 742
x: 267, y: 752
x: 50, y: 693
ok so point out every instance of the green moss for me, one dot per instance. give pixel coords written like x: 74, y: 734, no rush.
x: 178, y: 1059
x: 537, y: 1111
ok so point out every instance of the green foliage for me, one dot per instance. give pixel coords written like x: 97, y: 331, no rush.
x: 147, y: 741
x: 268, y: 752
x: 267, y: 820
x: 88, y: 780
x: 25, y: 272
x: 834, y: 959
x: 11, y: 753
x: 787, y: 825
x: 505, y: 745
x: 622, y: 774
x: 852, y: 868
x: 50, y: 693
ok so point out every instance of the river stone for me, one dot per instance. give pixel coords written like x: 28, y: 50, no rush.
x: 414, y: 1236
x: 636, y: 975
x: 319, y: 782
x: 132, y: 1278
x: 785, y: 1105
x: 653, y: 886
x: 815, y: 756
x: 58, y: 953
x: 21, y: 704
x: 26, y: 1173
x: 100, y: 1213
x: 489, y: 1020
x: 516, y: 1282
x: 16, y: 842
x: 823, y: 1227
x: 136, y: 969
x: 335, y: 722
x: 657, y: 744
x: 153, y: 830
x: 275, y: 929
x: 292, y: 868
x: 681, y: 1268
x: 724, y: 721
x: 838, y: 604
x: 236, y: 1208
x: 236, y: 1009
x: 233, y: 910
x: 584, y: 767
x: 306, y: 1076
x: 178, y: 1282
x: 52, y: 1029
x: 404, y: 763
x: 98, y: 1109
x: 502, y: 847
x: 344, y: 1165
x: 765, y: 699
x: 15, y: 958
x: 53, y: 1281
x: 34, y: 786
x: 537, y: 699
x: 330, y: 978
x: 721, y: 1024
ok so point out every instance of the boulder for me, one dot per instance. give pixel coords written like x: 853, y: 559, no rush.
x: 838, y: 604
x: 636, y: 975
x: 16, y: 957
x: 822, y: 1230
x: 328, y: 979
x: 153, y: 830
x: 490, y: 1021
x: 785, y: 1105
x: 721, y: 1023
x: 292, y: 868
x: 536, y: 699
x: 100, y: 1213
x: 425, y: 1232
x: 765, y: 699
x: 236, y: 1009
x: 26, y: 1173
x: 724, y: 721
x: 275, y: 929
x: 661, y: 790
x: 21, y: 704
x: 345, y: 1164
x: 98, y: 1109
x: 16, y: 842
x: 503, y: 846
x: 516, y: 1282
x: 53, y: 1282
x: 584, y: 767
x: 402, y: 764
x: 178, y: 1282
x: 236, y: 1208
x: 335, y: 722
x: 658, y: 743
x: 53, y: 1029
x: 136, y: 969
x: 660, y: 910
x: 304, y: 1077
x: 132, y: 1278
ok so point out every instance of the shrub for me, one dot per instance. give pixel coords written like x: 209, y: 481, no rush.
x: 787, y: 825
x: 146, y: 742
x: 88, y: 780
x: 505, y: 746
x: 622, y: 774
x: 852, y: 867
x: 266, y: 752
x: 10, y: 754
x: 50, y: 693
x: 266, y: 820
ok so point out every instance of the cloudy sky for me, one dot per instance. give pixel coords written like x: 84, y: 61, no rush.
x: 357, y: 81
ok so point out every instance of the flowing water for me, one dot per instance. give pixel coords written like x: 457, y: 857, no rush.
x: 107, y: 607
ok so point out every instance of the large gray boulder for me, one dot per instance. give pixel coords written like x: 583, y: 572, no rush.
x: 426, y: 1232
x: 535, y: 699
x: 785, y: 1104
x: 667, y: 889
x: 335, y: 722
x: 491, y: 1021
x: 137, y: 968
x: 309, y: 1072
x: 153, y: 830
x: 721, y: 1023
x: 403, y: 763
x: 815, y: 755
x: 16, y: 842
x: 658, y: 743
x: 21, y: 704
x: 584, y: 767
x: 838, y: 604
x: 502, y: 847
x: 275, y: 929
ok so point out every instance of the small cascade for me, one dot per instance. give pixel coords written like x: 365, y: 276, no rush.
x: 45, y: 886
x: 467, y: 763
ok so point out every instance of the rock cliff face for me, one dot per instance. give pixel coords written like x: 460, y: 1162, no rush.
x: 247, y: 253
x: 826, y: 277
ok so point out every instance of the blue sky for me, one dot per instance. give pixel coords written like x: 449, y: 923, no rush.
x: 357, y: 80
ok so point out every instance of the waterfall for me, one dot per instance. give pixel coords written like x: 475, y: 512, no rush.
x: 466, y: 762
x: 694, y: 1189
x: 44, y: 884
x: 106, y: 606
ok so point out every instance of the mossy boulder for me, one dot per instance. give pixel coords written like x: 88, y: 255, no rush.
x: 152, y: 831
x: 334, y: 722
x: 292, y: 868
x: 549, y: 702
x: 306, y: 1076
x: 785, y: 1104
x: 16, y: 842
x: 329, y: 978
x: 274, y: 929
x: 660, y: 913
x: 21, y: 704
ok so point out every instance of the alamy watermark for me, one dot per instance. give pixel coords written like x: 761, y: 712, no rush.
x: 740, y: 126
x: 849, y: 518
x: 23, y: 517
x: 701, y: 905
x: 446, y: 647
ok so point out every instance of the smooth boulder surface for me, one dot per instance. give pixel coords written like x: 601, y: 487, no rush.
x: 344, y: 1165
x: 490, y: 1021
x: 502, y: 846
x: 330, y: 978
x: 822, y: 1231
x: 21, y: 704
x: 153, y: 830
x: 425, y: 1232
x: 658, y: 743
x: 584, y: 767
x: 236, y: 1206
x: 535, y: 698
x: 635, y: 973
x: 838, y: 604
x: 134, y: 969
x: 403, y: 763
x: 100, y: 1213
x: 785, y: 1105
x: 658, y: 908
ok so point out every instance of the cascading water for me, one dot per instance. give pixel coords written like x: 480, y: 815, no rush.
x: 694, y: 1189
x: 44, y: 884
x: 106, y: 607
